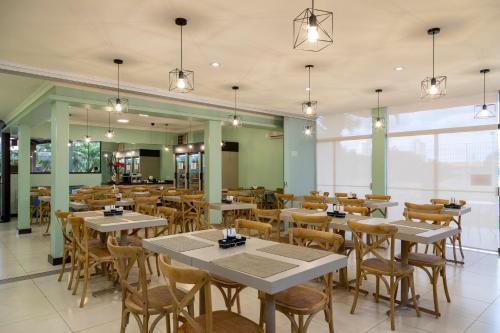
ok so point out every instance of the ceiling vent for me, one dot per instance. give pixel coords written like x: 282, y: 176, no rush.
x: 275, y: 135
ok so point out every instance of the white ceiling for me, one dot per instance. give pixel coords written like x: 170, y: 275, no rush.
x: 252, y: 41
x: 15, y: 89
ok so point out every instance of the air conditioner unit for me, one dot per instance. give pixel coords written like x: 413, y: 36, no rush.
x: 274, y: 135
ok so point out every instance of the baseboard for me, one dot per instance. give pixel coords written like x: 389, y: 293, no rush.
x: 24, y: 231
x: 57, y: 261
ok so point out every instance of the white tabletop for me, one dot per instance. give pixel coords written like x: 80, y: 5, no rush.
x: 425, y: 237
x: 172, y: 198
x: 202, y: 258
x: 374, y: 204
x: 148, y: 221
x: 232, y: 206
x: 456, y: 212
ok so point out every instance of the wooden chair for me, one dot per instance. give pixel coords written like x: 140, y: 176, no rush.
x: 379, y: 266
x: 310, y: 221
x: 378, y: 197
x: 34, y: 205
x: 260, y: 197
x: 99, y: 204
x: 313, y: 205
x: 230, y: 290
x: 202, y: 220
x: 314, y: 193
x: 145, y: 200
x: 282, y: 200
x: 170, y: 214
x: 269, y: 216
x: 303, y: 300
x: 354, y: 210
x: 458, y: 237
x: 188, y: 211
x: 341, y: 195
x: 69, y: 246
x: 433, y: 265
x: 244, y: 213
x: 218, y: 321
x: 314, y: 198
x: 350, y: 202
x: 44, y: 208
x: 138, y: 299
x: 90, y: 253
x: 422, y: 208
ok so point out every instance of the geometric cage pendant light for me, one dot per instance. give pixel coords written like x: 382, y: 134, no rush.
x: 313, y: 29
x: 484, y: 110
x: 181, y: 80
x: 379, y: 122
x: 309, y: 108
x: 434, y: 86
x: 117, y: 103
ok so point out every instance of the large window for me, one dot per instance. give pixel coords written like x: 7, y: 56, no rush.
x: 83, y: 157
x: 445, y: 153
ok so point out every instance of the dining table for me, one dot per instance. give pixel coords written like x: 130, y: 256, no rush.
x: 229, y: 210
x: 373, y: 204
x: 253, y: 264
x: 457, y: 214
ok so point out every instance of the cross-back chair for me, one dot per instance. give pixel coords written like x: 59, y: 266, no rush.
x: 314, y: 199
x: 313, y: 205
x: 315, y: 222
x: 388, y: 270
x: 69, y: 246
x: 270, y: 216
x: 282, y: 200
x: 210, y: 321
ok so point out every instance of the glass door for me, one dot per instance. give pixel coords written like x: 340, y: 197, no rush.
x: 180, y: 170
x: 194, y: 171
x: 136, y: 165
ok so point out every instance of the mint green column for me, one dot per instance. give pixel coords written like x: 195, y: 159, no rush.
x: 23, y: 179
x: 379, y: 152
x: 59, y: 135
x: 213, y: 168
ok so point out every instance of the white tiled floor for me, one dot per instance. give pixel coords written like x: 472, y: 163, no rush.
x: 45, y: 305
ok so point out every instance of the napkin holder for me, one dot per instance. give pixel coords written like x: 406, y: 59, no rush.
x: 452, y: 206
x: 229, y: 242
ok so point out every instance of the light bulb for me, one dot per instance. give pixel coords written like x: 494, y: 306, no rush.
x: 222, y: 143
x: 69, y: 144
x: 190, y: 147
x: 181, y: 84
x: 312, y: 33
x: 87, y: 139
x: 118, y: 105
x: 484, y: 113
x: 202, y: 147
x: 309, y: 110
x: 378, y: 123
x: 109, y: 134
x: 433, y: 90
x: 308, y: 130
x: 236, y: 121
x: 166, y: 148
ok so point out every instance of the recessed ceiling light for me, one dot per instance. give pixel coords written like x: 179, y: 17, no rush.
x: 215, y: 64
x: 143, y: 115
x: 399, y: 68
x: 124, y: 121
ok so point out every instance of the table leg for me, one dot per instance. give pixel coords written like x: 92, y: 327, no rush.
x: 123, y: 237
x: 405, y: 248
x: 270, y: 314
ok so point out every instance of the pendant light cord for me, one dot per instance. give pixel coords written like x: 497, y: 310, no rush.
x: 378, y: 104
x: 484, y: 88
x: 87, y: 122
x: 309, y: 83
x: 433, y: 50
x: 181, y: 47
x: 312, y: 9
x: 109, y: 121
x: 235, y: 102
x: 118, y: 81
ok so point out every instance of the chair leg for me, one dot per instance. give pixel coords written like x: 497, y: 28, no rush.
x: 435, y: 276
x: 86, y: 277
x: 238, y: 305
x: 261, y: 314
x: 459, y: 239
x: 72, y: 272
x: 65, y: 255
x: 125, y: 316
x: 167, y: 322
x: 377, y: 288
x: 78, y: 272
x: 454, y: 248
x: 414, y: 294
x: 356, y: 293
x: 145, y: 324
x: 445, y: 283
x: 392, y: 291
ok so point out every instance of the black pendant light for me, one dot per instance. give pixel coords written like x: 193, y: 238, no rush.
x: 434, y: 86
x: 181, y: 79
x: 87, y: 138
x: 234, y: 119
x: 118, y: 103
x: 309, y: 128
x: 379, y: 122
x: 313, y: 29
x: 166, y: 147
x: 484, y: 110
x: 309, y: 108
x: 109, y: 133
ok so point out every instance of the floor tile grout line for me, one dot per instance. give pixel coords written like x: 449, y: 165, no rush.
x: 480, y: 314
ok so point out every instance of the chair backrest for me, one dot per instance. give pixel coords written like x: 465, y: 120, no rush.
x: 283, y: 199
x: 314, y: 198
x: 357, y: 210
x: 198, y: 280
x: 187, y: 203
x: 266, y: 215
x: 350, y: 202
x: 378, y: 197
x: 341, y: 195
x: 382, y: 233
x: 99, y: 204
x: 167, y: 213
x: 149, y: 200
x: 325, y: 240
x: 446, y: 201
x: 249, y: 228
x: 77, y: 197
x: 233, y: 193
x: 125, y: 259
x: 62, y: 220
x: 146, y: 209
x: 313, y: 205
x: 245, y: 199
x: 316, y: 222
x: 202, y: 212
x: 326, y: 194
x: 422, y: 208
x: 440, y: 219
x: 314, y: 193
x: 80, y: 234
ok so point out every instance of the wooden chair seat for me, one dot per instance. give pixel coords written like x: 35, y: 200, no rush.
x: 159, y: 299
x: 379, y: 266
x: 225, y: 322
x: 100, y: 252
x: 423, y: 259
x: 301, y: 299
